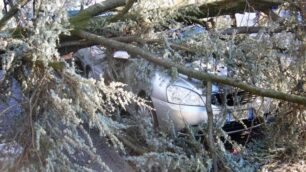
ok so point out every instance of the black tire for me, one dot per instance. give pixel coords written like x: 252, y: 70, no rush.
x: 88, y: 72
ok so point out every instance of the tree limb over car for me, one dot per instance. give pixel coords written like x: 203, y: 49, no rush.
x: 223, y: 8
x: 206, y: 9
x: 74, y: 45
x: 256, y: 29
x: 189, y: 72
x: 228, y: 7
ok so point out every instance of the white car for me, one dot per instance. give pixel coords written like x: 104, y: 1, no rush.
x: 178, y: 100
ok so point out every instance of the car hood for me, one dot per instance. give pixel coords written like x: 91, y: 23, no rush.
x: 194, y: 84
x: 162, y: 80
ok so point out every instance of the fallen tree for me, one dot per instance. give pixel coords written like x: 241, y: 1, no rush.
x: 57, y: 102
x: 234, y: 8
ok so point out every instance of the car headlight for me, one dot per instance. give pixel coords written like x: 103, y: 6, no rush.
x: 183, y: 96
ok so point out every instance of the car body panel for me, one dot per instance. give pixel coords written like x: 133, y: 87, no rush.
x: 173, y: 116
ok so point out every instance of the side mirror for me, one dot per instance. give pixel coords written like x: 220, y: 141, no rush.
x: 121, y: 55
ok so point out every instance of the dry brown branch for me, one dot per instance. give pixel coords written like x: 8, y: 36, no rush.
x: 228, y: 7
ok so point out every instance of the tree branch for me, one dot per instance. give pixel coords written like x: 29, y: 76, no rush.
x: 74, y: 45
x: 256, y: 29
x: 94, y: 10
x: 248, y: 30
x: 129, y: 142
x: 209, y: 9
x: 123, y: 12
x: 189, y: 72
x: 11, y: 13
x: 228, y: 7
